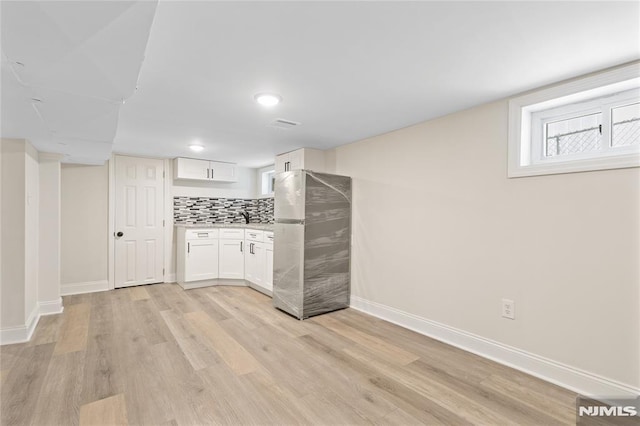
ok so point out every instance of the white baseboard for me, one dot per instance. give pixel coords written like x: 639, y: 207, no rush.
x: 197, y: 284
x: 575, y: 379
x: 170, y: 278
x: 85, y: 287
x: 260, y: 289
x: 23, y: 333
x: 213, y: 282
x: 51, y: 307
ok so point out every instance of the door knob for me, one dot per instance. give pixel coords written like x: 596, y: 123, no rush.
x: 119, y: 234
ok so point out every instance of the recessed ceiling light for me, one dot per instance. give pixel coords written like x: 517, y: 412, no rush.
x: 268, y: 99
x: 196, y: 148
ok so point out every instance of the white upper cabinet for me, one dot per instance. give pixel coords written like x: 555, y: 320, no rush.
x: 189, y: 168
x: 305, y: 158
x: 223, y: 172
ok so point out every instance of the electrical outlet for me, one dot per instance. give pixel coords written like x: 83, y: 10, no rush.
x: 508, y: 309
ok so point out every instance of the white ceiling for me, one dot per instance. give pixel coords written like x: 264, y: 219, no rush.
x: 346, y: 70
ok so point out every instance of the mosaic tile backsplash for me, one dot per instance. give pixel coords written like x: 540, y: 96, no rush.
x: 221, y: 210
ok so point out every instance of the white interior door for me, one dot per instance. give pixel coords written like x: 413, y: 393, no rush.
x: 139, y: 239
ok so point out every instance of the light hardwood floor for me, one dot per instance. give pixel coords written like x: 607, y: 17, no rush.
x: 223, y: 355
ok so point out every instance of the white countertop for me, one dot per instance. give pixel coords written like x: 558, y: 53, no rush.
x: 258, y: 226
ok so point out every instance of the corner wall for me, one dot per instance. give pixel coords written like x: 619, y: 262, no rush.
x: 25, y: 293
x: 440, y: 236
x: 49, y: 299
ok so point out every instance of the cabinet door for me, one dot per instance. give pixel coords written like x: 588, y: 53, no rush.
x: 231, y: 257
x: 188, y: 168
x: 201, y: 262
x: 249, y: 268
x: 281, y: 163
x: 223, y: 172
x: 258, y: 260
x: 296, y: 160
x: 268, y: 267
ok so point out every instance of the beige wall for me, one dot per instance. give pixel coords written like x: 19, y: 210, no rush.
x: 84, y: 218
x: 20, y: 191
x: 441, y: 233
x: 32, y: 229
x: 49, y: 242
x: 13, y: 228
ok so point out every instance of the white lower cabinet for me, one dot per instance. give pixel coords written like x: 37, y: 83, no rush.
x: 231, y: 259
x: 204, y: 255
x: 259, y: 259
x: 197, y: 257
x: 268, y: 279
x: 254, y: 263
x: 202, y: 260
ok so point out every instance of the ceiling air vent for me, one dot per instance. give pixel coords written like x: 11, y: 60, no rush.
x: 281, y: 123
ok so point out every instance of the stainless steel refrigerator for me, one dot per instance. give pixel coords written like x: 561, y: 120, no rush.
x: 312, y: 243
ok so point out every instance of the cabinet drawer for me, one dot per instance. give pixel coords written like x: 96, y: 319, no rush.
x: 200, y: 234
x: 232, y: 233
x: 253, y: 235
x: 268, y: 237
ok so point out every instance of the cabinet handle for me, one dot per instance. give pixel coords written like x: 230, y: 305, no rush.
x: 207, y: 173
x: 211, y: 173
x: 188, y: 247
x: 240, y: 246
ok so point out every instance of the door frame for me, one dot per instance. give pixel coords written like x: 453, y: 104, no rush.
x: 111, y: 225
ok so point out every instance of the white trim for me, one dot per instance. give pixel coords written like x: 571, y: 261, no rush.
x: 23, y: 333
x: 32, y: 321
x: 51, y: 307
x: 197, y: 284
x: 111, y: 264
x: 214, y: 282
x: 84, y: 287
x: 575, y: 379
x: 522, y: 107
x: 168, y: 221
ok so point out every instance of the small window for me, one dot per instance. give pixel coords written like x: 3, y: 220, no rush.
x: 573, y: 136
x: 626, y: 125
x: 587, y: 124
x: 267, y: 180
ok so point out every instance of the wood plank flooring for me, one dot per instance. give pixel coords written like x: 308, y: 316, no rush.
x: 223, y: 355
